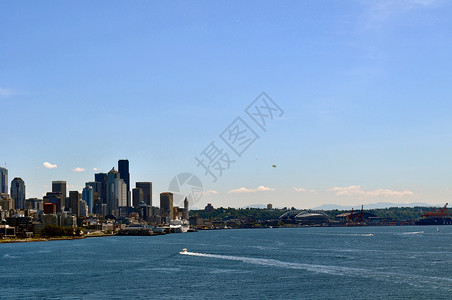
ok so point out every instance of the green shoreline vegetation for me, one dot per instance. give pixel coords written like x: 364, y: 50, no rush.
x: 396, y: 213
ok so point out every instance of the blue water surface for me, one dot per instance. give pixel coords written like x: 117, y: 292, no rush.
x: 299, y: 263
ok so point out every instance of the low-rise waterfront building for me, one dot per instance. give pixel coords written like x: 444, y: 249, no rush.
x: 7, y: 231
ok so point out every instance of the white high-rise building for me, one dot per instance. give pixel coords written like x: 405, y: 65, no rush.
x: 121, y: 192
x: 116, y: 193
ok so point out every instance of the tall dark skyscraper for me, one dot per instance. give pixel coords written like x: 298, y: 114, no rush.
x: 137, y: 196
x: 102, y: 179
x: 60, y: 187
x: 166, y: 205
x: 186, y: 209
x: 123, y: 169
x: 3, y: 181
x: 147, y: 191
x: 18, y: 192
x: 74, y: 202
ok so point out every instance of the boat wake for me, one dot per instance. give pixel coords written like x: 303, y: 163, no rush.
x: 276, y: 263
x: 334, y: 270
x: 356, y: 234
x: 414, y: 232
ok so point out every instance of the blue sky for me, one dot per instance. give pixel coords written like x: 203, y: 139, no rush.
x: 365, y: 87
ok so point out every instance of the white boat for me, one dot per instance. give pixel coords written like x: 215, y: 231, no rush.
x: 183, y: 251
x: 178, y: 226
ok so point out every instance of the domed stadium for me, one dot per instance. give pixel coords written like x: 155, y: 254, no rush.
x: 289, y: 215
x: 312, y: 218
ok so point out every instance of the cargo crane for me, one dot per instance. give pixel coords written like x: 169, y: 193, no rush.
x: 437, y: 213
x: 436, y: 217
x: 359, y: 217
x: 353, y: 219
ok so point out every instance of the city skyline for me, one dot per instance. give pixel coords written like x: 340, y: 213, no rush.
x: 364, y: 88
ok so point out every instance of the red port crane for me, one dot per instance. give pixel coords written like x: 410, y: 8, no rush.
x: 437, y: 213
x: 351, y: 218
x: 359, y: 217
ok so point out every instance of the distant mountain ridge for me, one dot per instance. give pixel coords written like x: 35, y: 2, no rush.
x: 349, y: 207
x: 345, y: 207
x: 374, y: 205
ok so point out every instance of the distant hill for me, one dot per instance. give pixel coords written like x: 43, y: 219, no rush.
x: 374, y: 206
x: 394, y: 211
x: 254, y: 206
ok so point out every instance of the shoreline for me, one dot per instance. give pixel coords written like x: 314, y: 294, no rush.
x: 33, y: 240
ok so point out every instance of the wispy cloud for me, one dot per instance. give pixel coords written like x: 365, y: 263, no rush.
x: 210, y: 192
x: 96, y: 169
x: 49, y: 165
x: 247, y: 190
x: 299, y: 189
x: 380, y: 11
x: 303, y: 190
x: 357, y: 191
x: 6, y: 93
x: 78, y: 169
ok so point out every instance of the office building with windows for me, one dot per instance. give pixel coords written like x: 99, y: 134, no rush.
x: 146, y: 187
x: 4, y: 181
x: 18, y: 192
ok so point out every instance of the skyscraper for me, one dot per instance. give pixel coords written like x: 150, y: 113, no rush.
x: 18, y: 192
x: 88, y: 196
x: 96, y: 206
x: 102, y: 179
x: 137, y: 196
x: 121, y: 193
x: 116, y: 193
x: 60, y: 187
x: 74, y: 205
x: 166, y: 205
x: 123, y: 169
x: 186, y: 210
x: 55, y: 198
x: 3, y: 181
x: 147, y: 191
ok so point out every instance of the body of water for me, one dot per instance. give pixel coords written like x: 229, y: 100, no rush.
x: 299, y: 263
